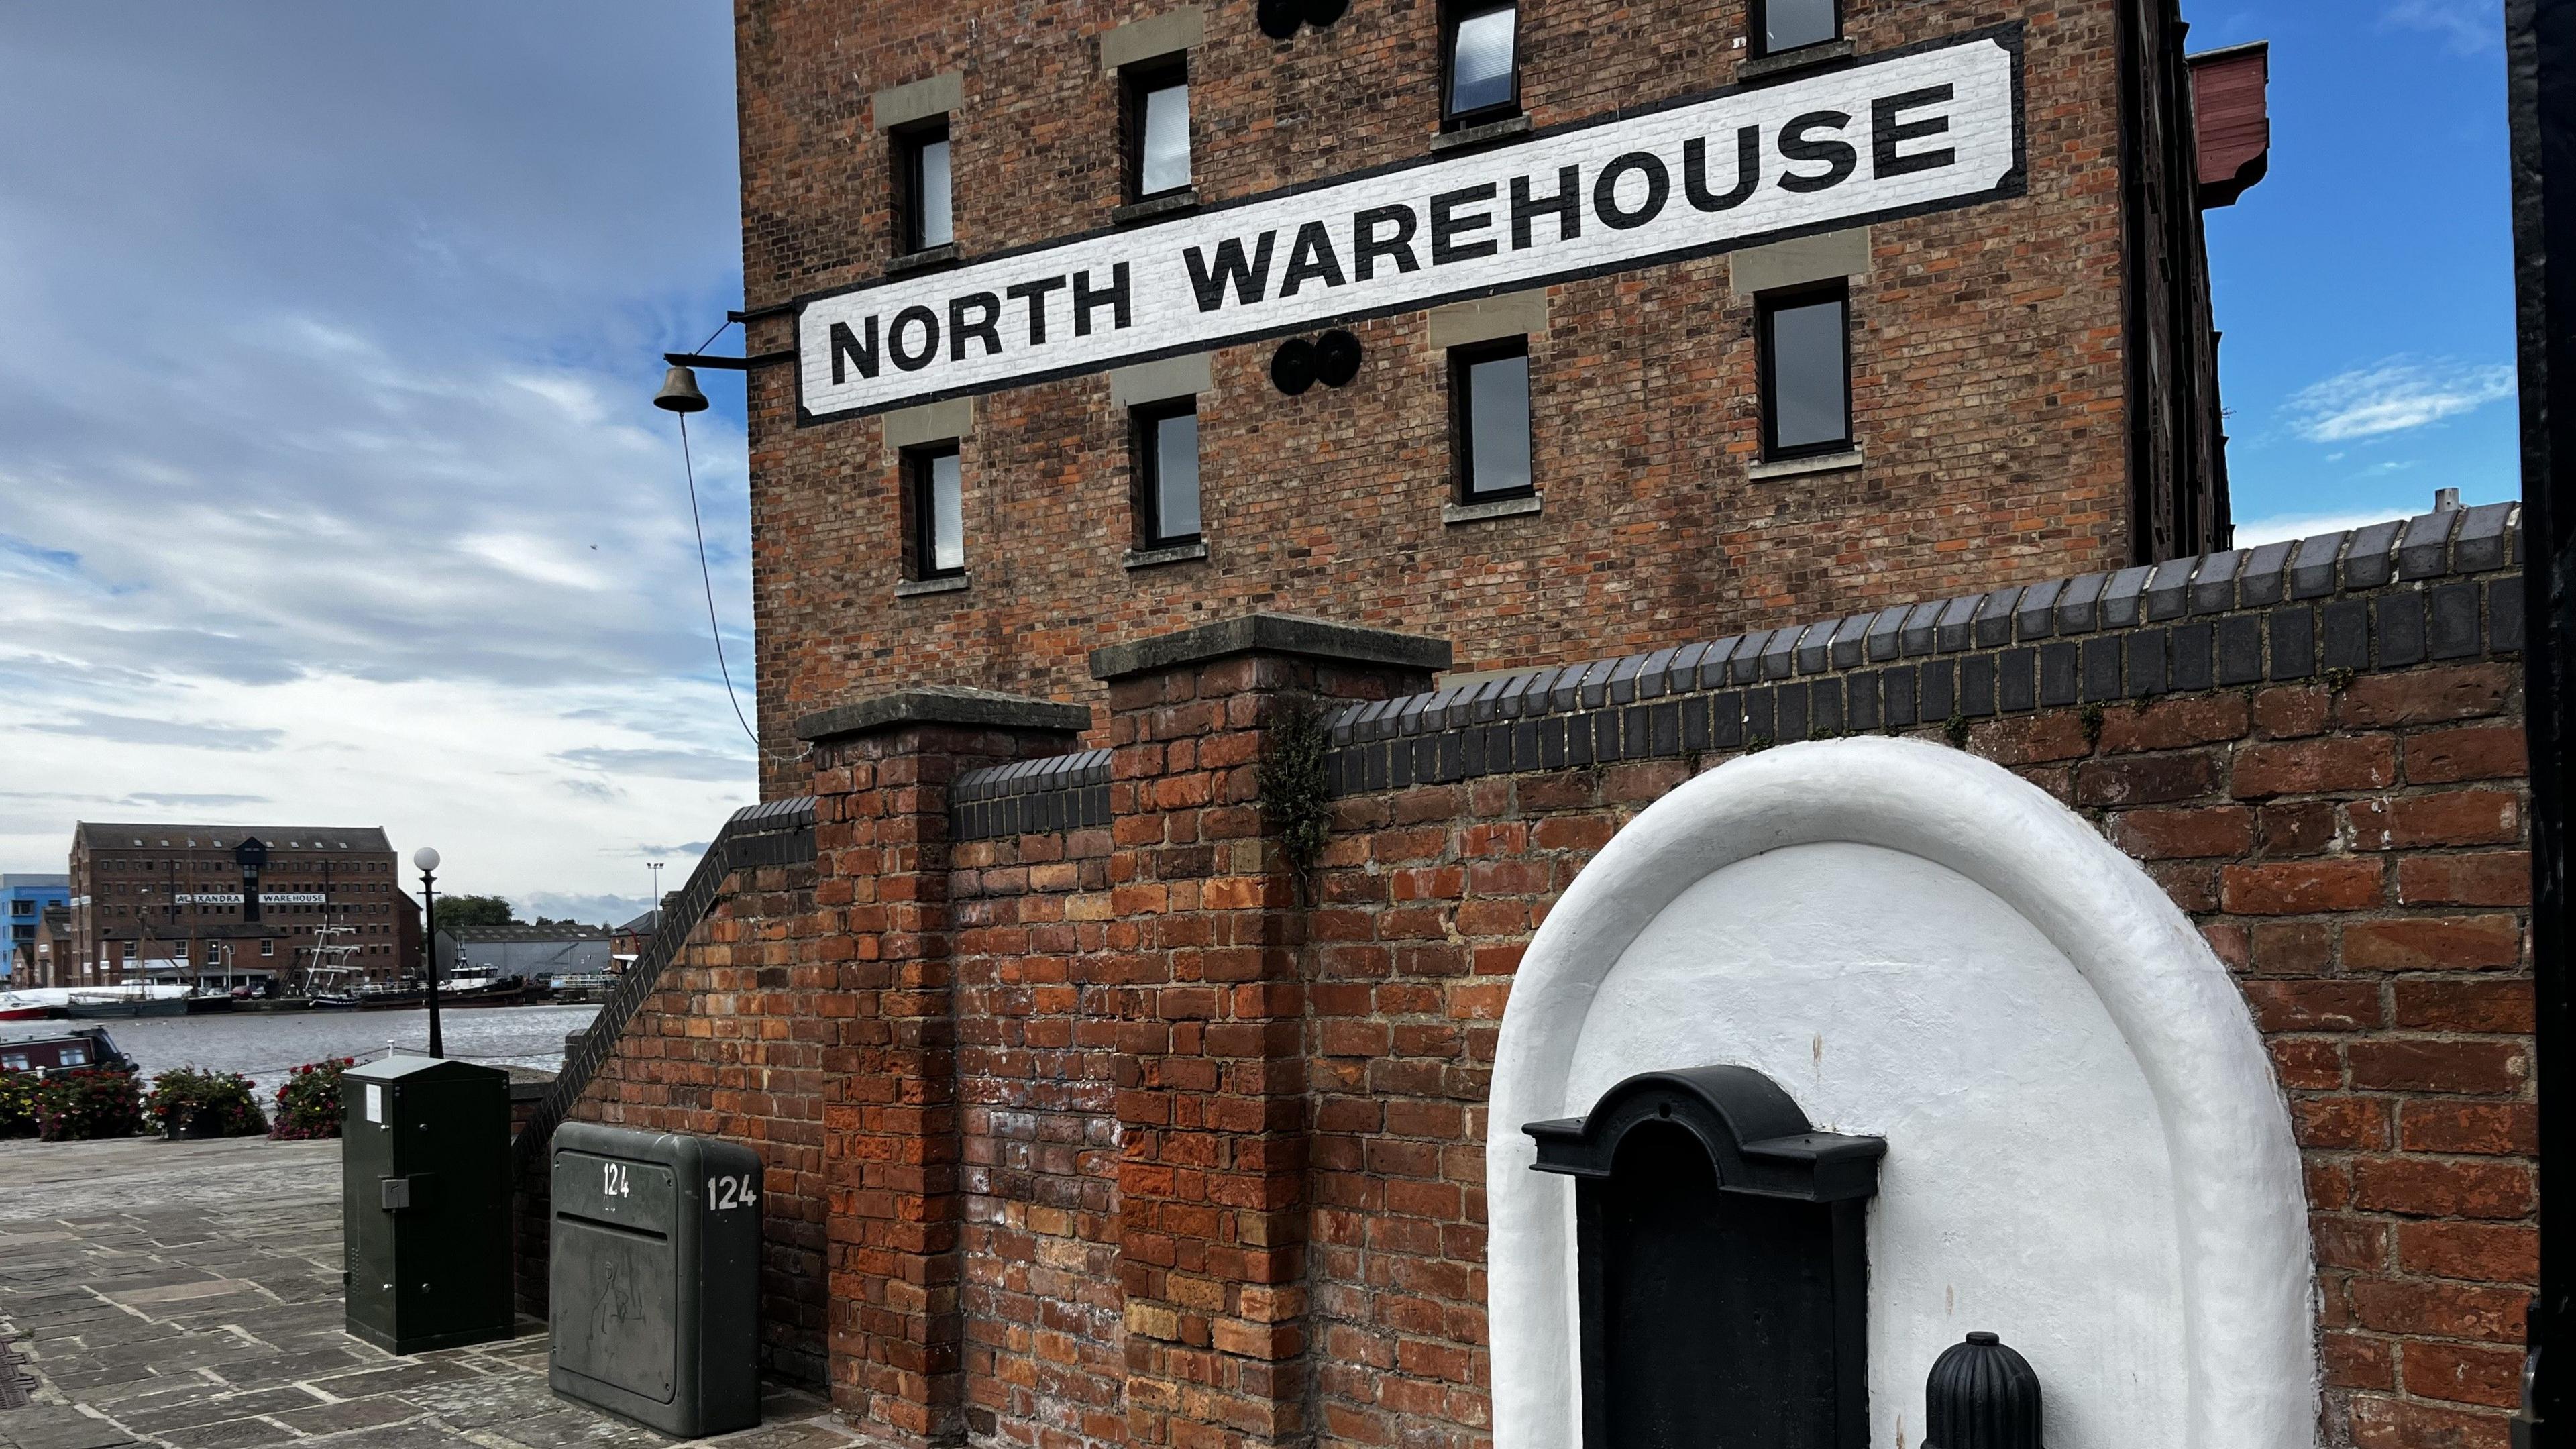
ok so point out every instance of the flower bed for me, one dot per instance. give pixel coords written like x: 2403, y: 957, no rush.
x: 17, y: 1104
x: 187, y: 1102
x: 88, y: 1102
x: 309, y: 1104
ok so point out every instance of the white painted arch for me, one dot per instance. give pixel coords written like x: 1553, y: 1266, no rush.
x: 1884, y: 886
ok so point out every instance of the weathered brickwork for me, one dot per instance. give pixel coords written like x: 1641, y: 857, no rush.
x: 1989, y: 362
x: 1129, y: 1134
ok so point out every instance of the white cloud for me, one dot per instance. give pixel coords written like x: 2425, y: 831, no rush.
x: 332, y: 492
x: 2466, y: 26
x: 2393, y: 396
x: 2255, y: 532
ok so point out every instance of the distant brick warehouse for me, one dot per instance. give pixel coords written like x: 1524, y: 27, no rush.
x: 1673, y: 319
x: 1094, y: 1118
x: 184, y: 901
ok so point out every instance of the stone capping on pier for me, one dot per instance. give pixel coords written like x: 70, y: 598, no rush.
x: 1059, y: 792
x: 2383, y: 596
x: 773, y: 832
x: 948, y: 704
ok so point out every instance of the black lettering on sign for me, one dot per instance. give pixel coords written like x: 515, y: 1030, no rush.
x: 984, y: 328
x: 1035, y: 294
x: 1798, y: 144
x: 1447, y: 226
x: 1310, y: 259
x: 846, y: 347
x: 1087, y: 300
x: 905, y: 358
x: 1250, y: 281
x: 1887, y: 132
x: 1367, y: 246
x: 1605, y: 190
x: 1748, y: 171
x: 1566, y: 206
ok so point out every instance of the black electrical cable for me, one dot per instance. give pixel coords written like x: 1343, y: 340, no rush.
x: 706, y: 578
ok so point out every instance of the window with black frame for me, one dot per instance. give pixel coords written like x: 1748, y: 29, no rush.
x: 922, y: 193
x: 1167, y: 473
x: 1490, y: 420
x: 1156, y: 122
x: 1805, y: 346
x: 1785, y: 25
x: 1480, y: 62
x: 934, y: 505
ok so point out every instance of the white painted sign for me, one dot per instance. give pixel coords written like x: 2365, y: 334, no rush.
x: 211, y: 898
x: 292, y: 898
x: 1907, y: 133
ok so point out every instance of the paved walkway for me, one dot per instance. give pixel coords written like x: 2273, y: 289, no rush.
x: 187, y: 1295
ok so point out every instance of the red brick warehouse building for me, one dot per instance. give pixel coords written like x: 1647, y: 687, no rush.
x: 1692, y: 813
x: 1672, y: 319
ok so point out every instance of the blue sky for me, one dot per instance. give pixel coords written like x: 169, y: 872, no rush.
x: 330, y: 492
x: 2365, y: 287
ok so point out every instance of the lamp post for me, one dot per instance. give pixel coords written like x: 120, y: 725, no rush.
x: 427, y: 859
x: 655, y: 866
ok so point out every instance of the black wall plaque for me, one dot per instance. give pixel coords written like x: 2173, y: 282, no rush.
x: 1724, y: 1265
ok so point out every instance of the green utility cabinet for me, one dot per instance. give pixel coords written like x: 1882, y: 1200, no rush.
x: 655, y: 1286
x: 425, y: 1202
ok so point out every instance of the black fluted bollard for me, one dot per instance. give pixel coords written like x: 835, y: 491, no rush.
x: 1981, y: 1395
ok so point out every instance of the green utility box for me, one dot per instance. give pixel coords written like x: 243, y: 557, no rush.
x: 655, y: 1259
x: 425, y: 1202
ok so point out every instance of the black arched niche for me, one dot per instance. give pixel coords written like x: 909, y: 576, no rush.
x: 1724, y: 1265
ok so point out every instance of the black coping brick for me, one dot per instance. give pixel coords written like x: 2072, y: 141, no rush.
x: 1940, y: 685
x: 1471, y: 751
x: 1525, y: 745
x: 1726, y: 721
x: 1551, y: 743
x: 1780, y: 654
x: 2213, y: 589
x: 1380, y: 772
x: 1622, y: 684
x: 2123, y: 597
x: 1916, y: 635
x: 2015, y: 689
x: 2057, y: 683
x: 2146, y: 650
x: 2479, y: 545
x: 1650, y: 679
x: 1950, y: 628
x: 1792, y: 712
x: 2426, y: 550
x: 2400, y: 628
x: 2453, y: 631
x: 1815, y: 648
x: 2035, y: 616
x: 2078, y: 608
x: 1977, y: 686
x: 2312, y: 574
x: 2504, y: 616
x: 2240, y: 649
x: 1748, y: 658
x: 1898, y: 700
x: 1664, y: 728
x: 1638, y: 735
x: 2372, y: 559
x: 2265, y: 577
x: 2294, y: 642
x: 2192, y: 645
x: 1758, y: 723
x: 1694, y: 715
x: 1579, y: 740
x: 1825, y: 706
x: 1860, y: 710
x: 1883, y: 627
x: 2347, y: 634
x: 2169, y: 589
x: 1993, y: 626
x: 2101, y: 669
x: 1846, y: 643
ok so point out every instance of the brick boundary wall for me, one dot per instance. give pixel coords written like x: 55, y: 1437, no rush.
x: 1198, y: 1142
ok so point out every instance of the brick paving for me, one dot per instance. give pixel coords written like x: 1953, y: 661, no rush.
x: 187, y: 1295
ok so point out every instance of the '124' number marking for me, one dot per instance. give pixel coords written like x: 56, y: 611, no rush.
x: 613, y: 1179
x: 731, y: 1192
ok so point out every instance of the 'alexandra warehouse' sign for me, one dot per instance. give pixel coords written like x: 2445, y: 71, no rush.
x: 1909, y: 133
